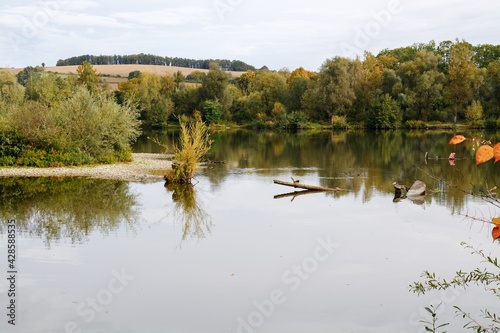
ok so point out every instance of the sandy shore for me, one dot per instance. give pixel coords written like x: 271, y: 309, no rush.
x: 143, y: 168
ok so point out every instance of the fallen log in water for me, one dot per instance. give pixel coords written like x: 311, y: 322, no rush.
x: 296, y: 194
x: 296, y: 184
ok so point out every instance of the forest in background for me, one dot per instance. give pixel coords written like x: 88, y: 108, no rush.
x: 53, y: 119
x: 150, y: 59
x: 411, y: 86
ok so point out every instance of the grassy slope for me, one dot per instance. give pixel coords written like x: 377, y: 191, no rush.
x: 119, y: 73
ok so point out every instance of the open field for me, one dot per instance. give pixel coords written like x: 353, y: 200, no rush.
x: 124, y: 70
x: 114, y: 74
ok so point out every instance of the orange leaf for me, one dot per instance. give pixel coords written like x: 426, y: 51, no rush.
x: 495, y: 233
x: 496, y: 221
x: 484, y: 154
x: 457, y: 139
x: 496, y: 152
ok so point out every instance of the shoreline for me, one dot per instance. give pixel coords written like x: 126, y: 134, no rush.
x: 145, y: 168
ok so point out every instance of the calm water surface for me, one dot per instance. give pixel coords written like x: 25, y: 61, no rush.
x: 234, y: 255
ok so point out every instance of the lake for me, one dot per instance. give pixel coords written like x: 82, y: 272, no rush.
x: 238, y: 253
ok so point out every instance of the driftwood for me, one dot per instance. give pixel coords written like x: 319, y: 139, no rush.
x: 296, y: 194
x: 416, y: 193
x: 400, y: 187
x: 296, y: 184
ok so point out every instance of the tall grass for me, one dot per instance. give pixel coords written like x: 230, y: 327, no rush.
x: 194, y: 143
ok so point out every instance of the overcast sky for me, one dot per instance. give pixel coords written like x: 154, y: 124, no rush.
x: 278, y: 34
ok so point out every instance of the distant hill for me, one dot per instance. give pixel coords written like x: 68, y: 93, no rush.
x: 150, y: 59
x: 114, y: 74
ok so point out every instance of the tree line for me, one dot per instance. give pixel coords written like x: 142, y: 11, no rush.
x: 150, y: 59
x: 414, y: 85
x: 52, y: 119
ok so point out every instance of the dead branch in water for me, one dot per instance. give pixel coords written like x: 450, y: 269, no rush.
x: 296, y: 184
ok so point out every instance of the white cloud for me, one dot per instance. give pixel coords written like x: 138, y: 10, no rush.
x: 167, y: 17
x: 279, y: 34
x: 76, y: 20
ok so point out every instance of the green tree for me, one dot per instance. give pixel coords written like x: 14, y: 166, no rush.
x: 178, y: 79
x: 49, y: 89
x: 297, y: 84
x: 443, y: 51
x: 134, y: 75
x: 402, y: 54
x: 196, y: 76
x: 485, y: 54
x: 474, y: 112
x: 212, y: 111
x: 10, y: 90
x: 491, y: 94
x: 214, y: 83
x: 384, y: 113
x: 462, y: 78
x: 29, y: 73
x: 88, y: 77
x: 336, y: 93
x: 312, y: 104
x: 366, y: 81
x: 278, y: 110
x: 153, y: 96
x: 95, y: 125
x: 391, y: 83
x: 423, y: 84
x: 186, y: 100
x: 245, y: 81
x: 272, y: 88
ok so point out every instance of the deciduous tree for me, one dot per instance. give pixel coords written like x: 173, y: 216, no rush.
x: 462, y: 76
x: 88, y: 77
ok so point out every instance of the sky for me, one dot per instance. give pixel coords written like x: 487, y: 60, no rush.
x: 277, y: 34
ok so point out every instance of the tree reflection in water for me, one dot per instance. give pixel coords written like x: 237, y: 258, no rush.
x: 72, y: 208
x: 196, y: 222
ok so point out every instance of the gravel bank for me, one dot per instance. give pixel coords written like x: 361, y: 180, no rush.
x: 143, y: 168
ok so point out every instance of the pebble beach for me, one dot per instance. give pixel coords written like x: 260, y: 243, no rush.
x: 144, y: 168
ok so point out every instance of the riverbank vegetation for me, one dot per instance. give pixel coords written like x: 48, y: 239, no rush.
x: 415, y: 86
x: 49, y: 121
x: 194, y: 143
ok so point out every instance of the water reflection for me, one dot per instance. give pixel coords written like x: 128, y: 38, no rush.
x: 188, y: 210
x: 365, y: 163
x: 53, y: 209
x: 361, y: 162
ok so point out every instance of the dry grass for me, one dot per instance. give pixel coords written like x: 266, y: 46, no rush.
x: 119, y: 73
x: 194, y: 143
x: 124, y: 70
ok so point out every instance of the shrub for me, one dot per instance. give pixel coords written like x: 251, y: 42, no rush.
x: 492, y: 123
x: 212, y: 111
x: 11, y: 146
x: 85, y: 128
x: 384, y: 113
x: 339, y: 123
x: 415, y: 124
x: 474, y: 112
x: 293, y: 121
x: 35, y: 122
x: 95, y: 125
x: 194, y: 143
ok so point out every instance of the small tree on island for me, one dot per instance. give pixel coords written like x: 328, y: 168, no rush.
x: 194, y: 143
